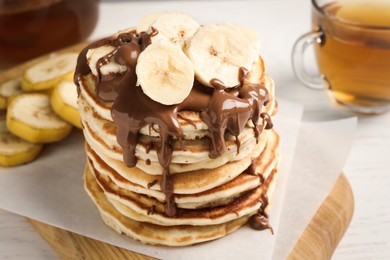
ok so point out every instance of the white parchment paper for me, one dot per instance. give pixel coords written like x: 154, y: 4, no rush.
x: 51, y: 190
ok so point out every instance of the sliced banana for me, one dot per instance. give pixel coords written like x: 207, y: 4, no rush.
x: 13, y: 150
x: 31, y: 117
x: 177, y: 28
x: 8, y: 90
x: 64, y: 102
x: 250, y: 35
x: 218, y: 51
x: 146, y: 21
x: 93, y: 56
x: 257, y: 73
x: 68, y: 76
x: 46, y: 74
x: 165, y: 73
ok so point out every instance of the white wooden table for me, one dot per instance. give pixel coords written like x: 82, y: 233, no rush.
x: 279, y: 22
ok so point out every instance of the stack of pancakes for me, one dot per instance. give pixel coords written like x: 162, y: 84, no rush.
x: 214, y: 196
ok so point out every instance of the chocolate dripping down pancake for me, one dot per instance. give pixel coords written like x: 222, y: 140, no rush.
x: 224, y: 110
x: 197, y: 190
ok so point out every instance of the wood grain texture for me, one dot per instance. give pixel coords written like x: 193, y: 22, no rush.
x: 322, y: 235
x: 318, y: 241
x: 69, y: 245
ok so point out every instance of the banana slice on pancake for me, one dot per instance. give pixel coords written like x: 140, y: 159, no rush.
x: 8, y: 90
x: 146, y: 21
x: 30, y: 117
x: 220, y: 50
x: 14, y: 150
x: 64, y: 102
x: 111, y: 67
x: 177, y: 28
x: 164, y: 73
x: 48, y: 73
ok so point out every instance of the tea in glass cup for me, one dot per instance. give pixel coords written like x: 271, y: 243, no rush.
x: 352, y: 45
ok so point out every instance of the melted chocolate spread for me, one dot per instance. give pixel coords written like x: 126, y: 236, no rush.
x: 223, y: 110
x: 259, y: 221
x: 151, y: 210
x: 151, y: 184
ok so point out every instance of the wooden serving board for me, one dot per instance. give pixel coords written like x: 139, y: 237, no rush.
x: 318, y: 241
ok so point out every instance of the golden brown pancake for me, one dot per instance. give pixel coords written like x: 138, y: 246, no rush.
x: 199, y: 170
x: 143, y: 183
x: 177, y: 235
x: 151, y: 233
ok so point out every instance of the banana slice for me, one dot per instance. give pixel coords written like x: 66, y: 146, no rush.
x: 146, y: 21
x: 8, y: 90
x: 218, y: 51
x: 47, y: 74
x: 64, y: 102
x: 250, y: 35
x: 13, y: 150
x: 31, y: 117
x: 93, y: 55
x: 68, y: 76
x: 257, y: 73
x: 165, y: 73
x: 177, y: 28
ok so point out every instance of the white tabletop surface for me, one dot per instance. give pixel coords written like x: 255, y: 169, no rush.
x: 279, y: 23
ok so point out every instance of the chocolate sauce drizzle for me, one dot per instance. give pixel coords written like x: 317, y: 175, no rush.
x: 268, y: 120
x: 252, y: 167
x: 149, y: 146
x: 252, y: 170
x: 223, y: 110
x: 151, y: 184
x: 259, y: 221
x: 151, y: 210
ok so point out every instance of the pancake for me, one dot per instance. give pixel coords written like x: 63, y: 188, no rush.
x: 154, y: 168
x: 208, y: 182
x: 151, y: 233
x: 154, y: 234
x: 193, y: 181
x: 141, y: 204
x: 219, y: 195
x: 175, y: 173
x: 136, y: 206
x: 197, y: 150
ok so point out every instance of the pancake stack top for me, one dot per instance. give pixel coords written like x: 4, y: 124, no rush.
x: 177, y: 122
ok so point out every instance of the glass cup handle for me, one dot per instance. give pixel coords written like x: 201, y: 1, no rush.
x: 299, y: 49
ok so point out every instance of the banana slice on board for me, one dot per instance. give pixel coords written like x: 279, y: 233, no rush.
x: 218, y: 51
x: 14, y: 150
x: 164, y: 73
x: 177, y: 28
x: 48, y: 73
x: 64, y: 102
x: 31, y: 117
x: 8, y: 90
x: 69, y: 76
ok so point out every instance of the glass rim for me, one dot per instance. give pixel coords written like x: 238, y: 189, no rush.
x: 335, y: 18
